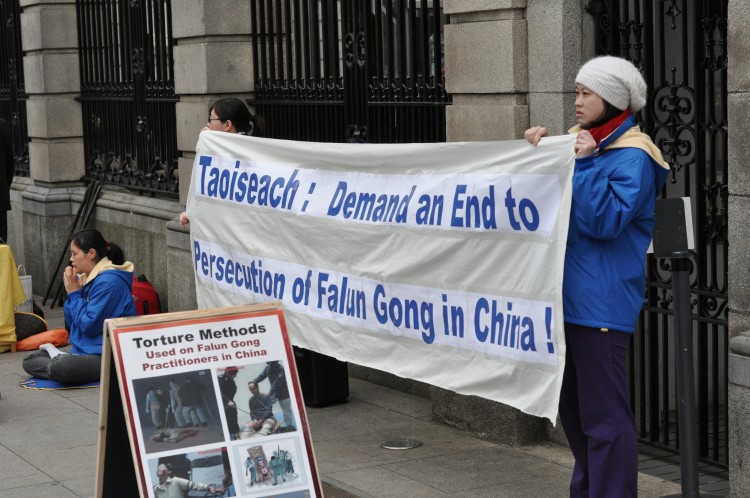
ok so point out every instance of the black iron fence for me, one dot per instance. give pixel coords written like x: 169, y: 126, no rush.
x: 12, y: 94
x: 127, y: 93
x: 350, y: 70
x: 681, y: 50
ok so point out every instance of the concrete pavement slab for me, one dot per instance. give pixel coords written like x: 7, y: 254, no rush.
x: 468, y: 470
x: 63, y: 464
x: 553, y: 485
x: 47, y: 490
x: 14, y: 467
x: 352, y: 452
x: 357, y: 417
x: 25, y: 481
x: 400, y: 402
x: 658, y: 487
x: 89, y: 401
x: 83, y: 486
x: 21, y: 404
x: 383, y: 483
x: 50, y: 432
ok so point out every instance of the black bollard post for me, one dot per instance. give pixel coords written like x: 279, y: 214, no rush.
x: 670, y: 241
x: 685, y: 377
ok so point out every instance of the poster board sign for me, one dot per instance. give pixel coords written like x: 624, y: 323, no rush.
x: 208, y: 399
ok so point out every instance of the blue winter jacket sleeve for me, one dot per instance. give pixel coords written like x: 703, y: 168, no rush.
x: 107, y: 296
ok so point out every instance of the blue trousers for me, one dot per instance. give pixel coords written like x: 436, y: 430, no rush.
x: 596, y: 415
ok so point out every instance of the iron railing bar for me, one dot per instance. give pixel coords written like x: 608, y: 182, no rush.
x: 272, y: 58
x: 391, y: 38
x: 425, y: 12
x: 413, y: 48
x: 703, y: 259
x: 437, y: 34
x: 337, y: 68
x: 326, y: 37
x: 376, y: 56
x: 308, y: 41
x: 299, y: 52
x: 113, y: 44
x: 315, y: 43
x: 96, y: 62
x: 289, y: 34
x: 263, y: 40
x: 154, y: 75
x: 403, y: 45
x: 257, y: 76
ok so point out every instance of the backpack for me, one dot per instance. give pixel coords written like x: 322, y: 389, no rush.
x: 146, y: 299
x: 28, y: 324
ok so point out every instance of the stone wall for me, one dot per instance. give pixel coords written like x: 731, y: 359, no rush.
x: 739, y: 414
x: 738, y: 107
x: 738, y: 47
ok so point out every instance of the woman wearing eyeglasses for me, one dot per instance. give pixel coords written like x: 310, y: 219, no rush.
x: 231, y: 115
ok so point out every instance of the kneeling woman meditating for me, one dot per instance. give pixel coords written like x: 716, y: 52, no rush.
x: 98, y: 282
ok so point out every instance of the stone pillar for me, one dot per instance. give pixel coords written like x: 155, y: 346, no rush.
x: 738, y: 110
x: 50, y: 43
x: 56, y: 159
x: 212, y: 59
x: 486, y: 69
x: 560, y: 41
x: 739, y: 413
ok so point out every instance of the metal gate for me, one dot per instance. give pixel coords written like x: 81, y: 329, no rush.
x: 350, y: 70
x: 127, y: 93
x: 680, y: 47
x: 12, y: 94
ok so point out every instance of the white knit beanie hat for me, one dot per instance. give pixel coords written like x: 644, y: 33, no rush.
x: 615, y: 80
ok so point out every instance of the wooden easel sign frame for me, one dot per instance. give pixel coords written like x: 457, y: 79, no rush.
x: 165, y: 382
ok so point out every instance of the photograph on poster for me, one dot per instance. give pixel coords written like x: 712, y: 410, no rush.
x: 205, y: 473
x: 268, y: 465
x: 177, y: 411
x: 256, y: 400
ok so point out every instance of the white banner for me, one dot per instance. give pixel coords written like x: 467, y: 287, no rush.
x: 437, y: 262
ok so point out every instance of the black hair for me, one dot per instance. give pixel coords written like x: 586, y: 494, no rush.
x: 234, y: 110
x: 90, y: 238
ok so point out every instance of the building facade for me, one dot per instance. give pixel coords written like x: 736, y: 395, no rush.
x: 508, y: 64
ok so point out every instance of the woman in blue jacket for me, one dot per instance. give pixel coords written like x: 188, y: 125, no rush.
x: 98, y: 282
x: 618, y: 174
